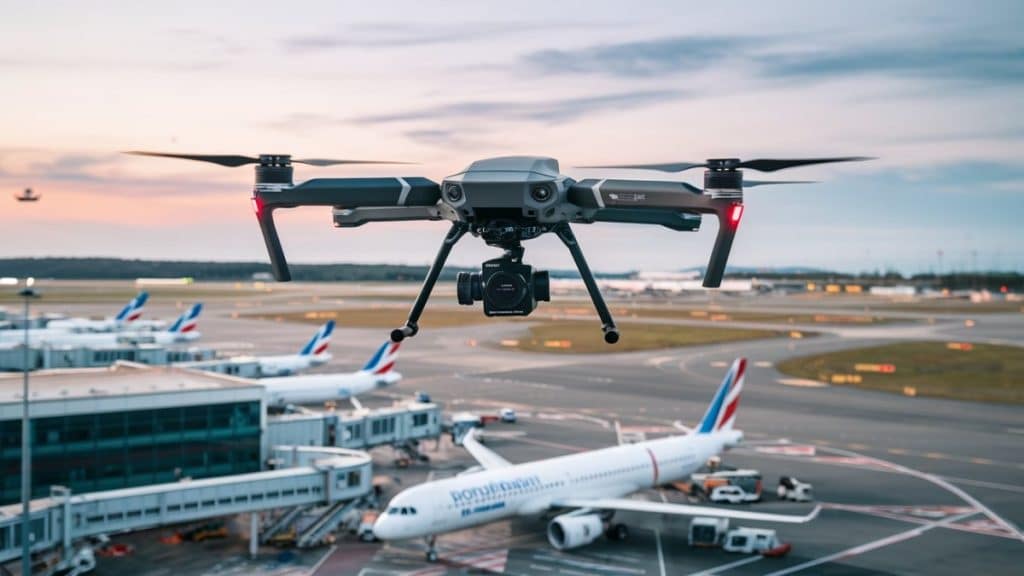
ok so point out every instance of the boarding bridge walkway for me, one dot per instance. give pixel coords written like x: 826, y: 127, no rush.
x: 321, y: 476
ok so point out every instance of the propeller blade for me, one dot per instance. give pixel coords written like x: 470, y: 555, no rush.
x: 752, y: 183
x: 669, y: 167
x: 330, y: 162
x: 773, y: 164
x: 223, y: 160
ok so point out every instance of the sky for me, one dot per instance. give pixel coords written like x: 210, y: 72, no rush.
x: 932, y: 89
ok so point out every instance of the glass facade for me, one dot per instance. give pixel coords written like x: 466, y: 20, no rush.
x: 91, y: 452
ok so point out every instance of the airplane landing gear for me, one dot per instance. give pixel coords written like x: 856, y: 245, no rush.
x: 431, y: 549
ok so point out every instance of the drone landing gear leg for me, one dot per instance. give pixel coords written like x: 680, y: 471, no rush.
x: 611, y: 333
x: 411, y: 327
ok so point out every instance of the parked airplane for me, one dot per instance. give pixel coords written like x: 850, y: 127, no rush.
x: 314, y: 353
x: 588, y: 487
x: 183, y: 330
x: 313, y: 388
x: 127, y: 317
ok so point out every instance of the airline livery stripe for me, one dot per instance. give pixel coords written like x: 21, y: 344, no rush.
x: 729, y: 411
x: 321, y: 349
x: 654, y: 464
x: 384, y: 368
x: 134, y: 316
x: 188, y: 328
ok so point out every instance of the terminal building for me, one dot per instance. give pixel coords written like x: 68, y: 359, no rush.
x: 132, y: 446
x: 133, y: 425
x: 51, y: 357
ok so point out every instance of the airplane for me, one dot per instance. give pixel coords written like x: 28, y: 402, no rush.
x: 27, y: 196
x: 125, y: 318
x: 312, y: 388
x: 314, y: 353
x: 586, y: 488
x: 183, y: 330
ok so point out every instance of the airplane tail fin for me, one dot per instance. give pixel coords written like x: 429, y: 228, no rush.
x: 319, y: 342
x: 384, y: 359
x: 722, y: 412
x: 133, y: 310
x: 188, y: 321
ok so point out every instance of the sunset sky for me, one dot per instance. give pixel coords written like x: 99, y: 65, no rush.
x: 933, y: 89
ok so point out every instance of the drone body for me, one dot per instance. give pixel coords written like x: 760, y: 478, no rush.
x: 506, y: 201
x: 27, y: 196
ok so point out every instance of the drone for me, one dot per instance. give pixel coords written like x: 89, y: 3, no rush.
x: 506, y: 201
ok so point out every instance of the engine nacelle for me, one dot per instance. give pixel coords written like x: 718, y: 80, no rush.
x: 569, y: 531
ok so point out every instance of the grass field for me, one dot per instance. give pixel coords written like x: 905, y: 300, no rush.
x: 383, y: 317
x: 985, y: 373
x: 576, y: 337
x: 722, y: 315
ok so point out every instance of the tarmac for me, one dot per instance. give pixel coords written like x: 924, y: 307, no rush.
x: 909, y: 485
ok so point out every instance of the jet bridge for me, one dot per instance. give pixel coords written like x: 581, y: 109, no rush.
x: 323, y: 476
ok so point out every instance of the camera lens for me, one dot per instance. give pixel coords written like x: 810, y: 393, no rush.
x: 505, y: 290
x: 541, y: 193
x: 453, y: 192
x: 467, y: 288
x: 541, y: 287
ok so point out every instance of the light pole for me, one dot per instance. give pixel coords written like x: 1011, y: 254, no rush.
x: 26, y: 443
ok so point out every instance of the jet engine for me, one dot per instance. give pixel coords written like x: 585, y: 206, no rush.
x: 570, y: 531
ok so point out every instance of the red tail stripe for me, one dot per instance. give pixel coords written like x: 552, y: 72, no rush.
x: 729, y: 411
x: 384, y: 368
x: 188, y: 328
x: 134, y: 316
x: 320, y: 349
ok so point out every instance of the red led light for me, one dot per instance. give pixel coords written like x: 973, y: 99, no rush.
x: 736, y: 213
x: 257, y: 206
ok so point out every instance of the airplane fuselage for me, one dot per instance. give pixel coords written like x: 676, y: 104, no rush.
x: 315, y: 388
x: 531, y: 488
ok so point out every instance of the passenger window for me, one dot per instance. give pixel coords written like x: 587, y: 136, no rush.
x: 412, y: 510
x: 405, y: 511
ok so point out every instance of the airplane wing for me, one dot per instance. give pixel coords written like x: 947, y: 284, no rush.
x: 487, y: 458
x: 628, y: 505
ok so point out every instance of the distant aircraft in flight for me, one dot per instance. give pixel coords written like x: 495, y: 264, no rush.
x: 27, y: 196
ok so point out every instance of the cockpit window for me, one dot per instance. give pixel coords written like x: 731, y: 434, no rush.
x: 393, y: 510
x: 405, y: 511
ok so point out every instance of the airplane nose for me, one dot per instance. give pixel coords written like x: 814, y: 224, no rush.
x: 381, y: 529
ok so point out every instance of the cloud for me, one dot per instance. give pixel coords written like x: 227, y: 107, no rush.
x: 951, y: 59
x: 643, y: 59
x: 963, y: 59
x: 391, y: 35
x: 550, y: 111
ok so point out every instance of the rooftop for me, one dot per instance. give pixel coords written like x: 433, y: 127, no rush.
x: 120, y: 379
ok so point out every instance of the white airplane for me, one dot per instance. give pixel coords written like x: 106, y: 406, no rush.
x: 588, y: 487
x: 314, y: 353
x: 183, y: 330
x: 127, y: 317
x: 313, y: 388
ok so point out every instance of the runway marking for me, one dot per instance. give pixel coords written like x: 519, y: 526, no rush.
x: 561, y: 558
x: 858, y: 446
x: 896, y: 451
x: 661, y: 555
x: 801, y: 383
x: 541, y: 568
x: 986, y: 484
x: 719, y: 364
x: 939, y: 481
x: 728, y: 566
x: 935, y: 455
x: 873, y: 545
x: 763, y: 364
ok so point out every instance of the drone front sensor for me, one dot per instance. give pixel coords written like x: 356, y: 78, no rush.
x: 504, y: 202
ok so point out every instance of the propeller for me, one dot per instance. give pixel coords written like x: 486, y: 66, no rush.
x: 752, y: 183
x: 233, y: 161
x: 761, y: 164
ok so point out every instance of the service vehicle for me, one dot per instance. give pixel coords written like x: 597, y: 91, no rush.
x: 508, y: 415
x: 754, y: 541
x: 732, y: 495
x: 792, y: 489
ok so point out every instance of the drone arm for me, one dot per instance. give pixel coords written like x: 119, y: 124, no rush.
x: 394, y: 193
x: 411, y: 327
x: 678, y: 220
x: 642, y: 195
x: 611, y: 333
